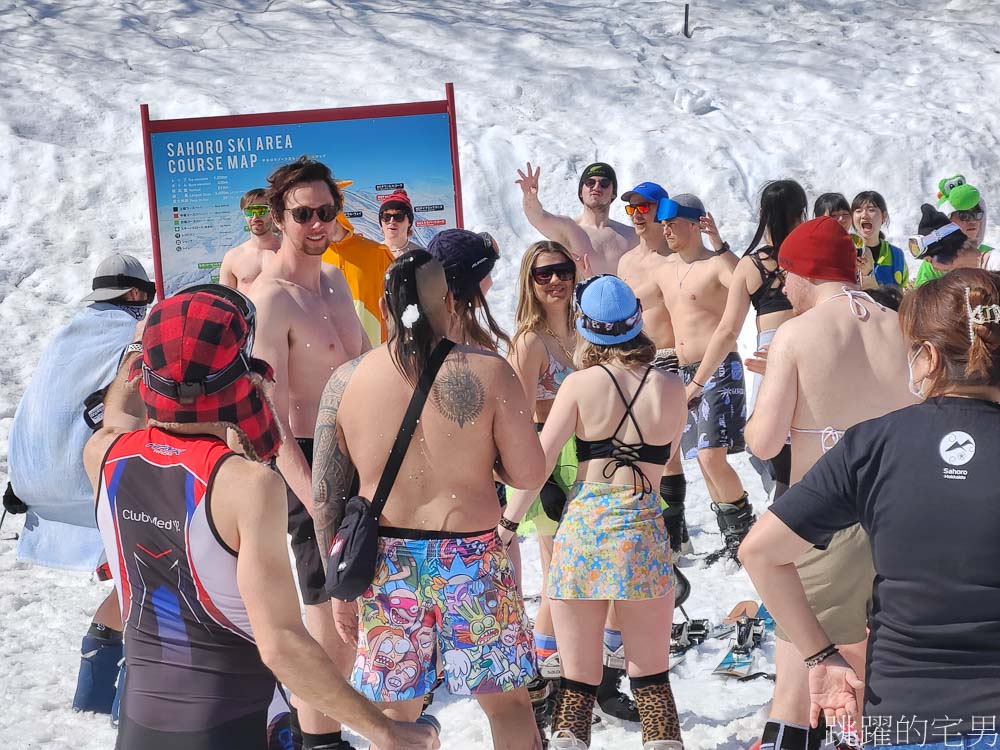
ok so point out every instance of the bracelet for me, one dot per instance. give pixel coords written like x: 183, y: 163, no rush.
x: 695, y: 382
x: 821, y: 656
x: 506, y: 523
x: 723, y: 249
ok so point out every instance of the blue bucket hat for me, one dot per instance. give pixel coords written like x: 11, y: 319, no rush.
x: 609, y: 312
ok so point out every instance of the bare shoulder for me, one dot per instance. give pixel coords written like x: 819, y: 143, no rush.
x: 625, y: 231
x: 96, y: 448
x: 250, y: 481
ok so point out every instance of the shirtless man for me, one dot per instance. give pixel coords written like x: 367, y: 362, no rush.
x: 444, y: 582
x: 242, y: 264
x: 838, y: 363
x: 694, y: 288
x: 596, y: 241
x: 307, y: 328
x: 638, y: 268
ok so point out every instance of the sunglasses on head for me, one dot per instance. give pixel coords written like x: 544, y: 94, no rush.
x: 256, y: 210
x: 566, y: 271
x: 390, y: 216
x: 642, y: 208
x: 303, y: 214
x: 975, y: 214
x: 602, y: 182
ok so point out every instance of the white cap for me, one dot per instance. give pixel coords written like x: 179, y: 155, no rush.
x: 115, y: 275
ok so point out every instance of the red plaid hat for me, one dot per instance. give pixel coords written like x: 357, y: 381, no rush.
x: 196, y: 367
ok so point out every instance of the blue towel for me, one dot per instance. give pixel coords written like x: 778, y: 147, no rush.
x: 48, y: 434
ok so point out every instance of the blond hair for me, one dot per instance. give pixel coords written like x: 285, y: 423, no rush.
x: 530, y: 315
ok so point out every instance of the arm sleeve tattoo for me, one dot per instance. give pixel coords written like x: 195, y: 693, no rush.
x: 333, y: 471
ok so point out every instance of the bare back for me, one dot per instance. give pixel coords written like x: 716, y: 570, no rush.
x: 610, y: 243
x: 475, y: 414
x: 242, y: 264
x: 849, y: 370
x: 314, y: 331
x: 639, y: 268
x: 659, y: 409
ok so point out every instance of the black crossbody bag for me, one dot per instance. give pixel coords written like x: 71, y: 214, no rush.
x: 351, y: 567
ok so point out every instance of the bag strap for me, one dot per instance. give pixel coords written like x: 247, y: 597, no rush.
x: 409, y: 426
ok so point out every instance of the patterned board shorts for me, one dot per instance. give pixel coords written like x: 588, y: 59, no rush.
x: 719, y: 418
x: 612, y: 544
x: 452, y: 599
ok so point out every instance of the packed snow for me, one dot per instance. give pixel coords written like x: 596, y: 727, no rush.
x: 841, y: 95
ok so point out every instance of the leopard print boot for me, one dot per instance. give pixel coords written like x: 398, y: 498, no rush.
x: 661, y: 727
x: 573, y: 713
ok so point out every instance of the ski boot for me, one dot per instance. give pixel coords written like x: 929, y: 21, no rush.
x: 542, y: 694
x: 735, y: 520
x: 610, y: 700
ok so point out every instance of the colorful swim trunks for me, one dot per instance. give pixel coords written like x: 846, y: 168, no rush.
x: 453, y: 599
x: 721, y: 414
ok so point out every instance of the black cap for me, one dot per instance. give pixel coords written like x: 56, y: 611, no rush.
x: 467, y: 257
x: 597, y: 169
x: 947, y: 246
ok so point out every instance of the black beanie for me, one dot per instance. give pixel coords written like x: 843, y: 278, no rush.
x: 947, y: 246
x: 597, y: 169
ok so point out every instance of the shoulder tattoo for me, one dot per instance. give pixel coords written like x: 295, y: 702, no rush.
x: 458, y: 392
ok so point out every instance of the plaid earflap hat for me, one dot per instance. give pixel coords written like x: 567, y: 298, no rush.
x: 196, y: 367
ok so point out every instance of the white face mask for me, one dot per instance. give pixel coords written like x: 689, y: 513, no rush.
x: 918, y: 392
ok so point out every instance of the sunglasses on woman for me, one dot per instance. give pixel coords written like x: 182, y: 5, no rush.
x: 566, y: 271
x: 303, y: 214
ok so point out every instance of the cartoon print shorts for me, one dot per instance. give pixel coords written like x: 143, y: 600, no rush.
x: 441, y: 605
x: 719, y: 418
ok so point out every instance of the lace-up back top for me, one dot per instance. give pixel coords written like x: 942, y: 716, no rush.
x: 618, y: 453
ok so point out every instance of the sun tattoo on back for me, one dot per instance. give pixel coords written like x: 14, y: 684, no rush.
x: 458, y: 393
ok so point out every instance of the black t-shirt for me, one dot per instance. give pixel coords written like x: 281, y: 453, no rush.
x: 924, y: 482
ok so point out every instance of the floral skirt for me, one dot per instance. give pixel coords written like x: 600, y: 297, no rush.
x: 611, y: 544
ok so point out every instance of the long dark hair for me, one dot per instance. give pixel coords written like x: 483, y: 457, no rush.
x: 782, y: 208
x: 470, y: 304
x: 410, y: 346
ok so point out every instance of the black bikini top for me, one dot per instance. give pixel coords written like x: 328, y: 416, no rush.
x: 621, y: 454
x: 768, y: 298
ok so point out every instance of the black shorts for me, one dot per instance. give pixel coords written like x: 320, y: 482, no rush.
x: 721, y: 414
x: 305, y: 549
x: 249, y: 732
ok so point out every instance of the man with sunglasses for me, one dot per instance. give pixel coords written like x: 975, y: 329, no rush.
x: 395, y: 216
x: 307, y: 327
x: 241, y: 265
x: 597, y: 242
x: 963, y: 205
x: 639, y: 269
x: 695, y: 285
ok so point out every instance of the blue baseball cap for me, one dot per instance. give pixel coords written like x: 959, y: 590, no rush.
x: 609, y: 311
x: 686, y: 206
x: 649, y: 190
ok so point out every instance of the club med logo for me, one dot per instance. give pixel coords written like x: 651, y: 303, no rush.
x: 389, y: 186
x: 431, y: 222
x: 432, y: 207
x: 169, y: 525
x: 957, y: 448
x: 164, y: 450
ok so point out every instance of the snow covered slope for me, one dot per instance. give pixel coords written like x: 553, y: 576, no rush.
x: 840, y: 95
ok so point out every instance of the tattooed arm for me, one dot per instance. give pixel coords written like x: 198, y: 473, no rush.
x: 332, y: 472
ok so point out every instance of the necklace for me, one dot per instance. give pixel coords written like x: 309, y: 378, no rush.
x: 567, y: 352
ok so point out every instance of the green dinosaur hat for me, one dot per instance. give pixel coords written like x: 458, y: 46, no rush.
x: 955, y: 194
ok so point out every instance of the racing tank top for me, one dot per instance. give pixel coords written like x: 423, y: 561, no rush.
x: 192, y: 663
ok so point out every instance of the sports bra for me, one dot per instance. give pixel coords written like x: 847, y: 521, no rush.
x: 768, y: 298
x: 552, y: 377
x: 621, y: 454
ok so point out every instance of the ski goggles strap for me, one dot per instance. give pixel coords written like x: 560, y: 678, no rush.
x: 920, y: 245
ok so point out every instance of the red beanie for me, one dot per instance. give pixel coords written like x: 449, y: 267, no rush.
x: 820, y: 249
x: 399, y: 200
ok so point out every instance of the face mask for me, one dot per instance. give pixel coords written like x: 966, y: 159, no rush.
x: 136, y: 311
x: 914, y: 390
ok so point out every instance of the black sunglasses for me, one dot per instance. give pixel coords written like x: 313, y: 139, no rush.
x: 390, y: 216
x: 302, y: 214
x: 566, y: 271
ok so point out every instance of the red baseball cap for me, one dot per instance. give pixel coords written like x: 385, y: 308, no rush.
x: 820, y: 249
